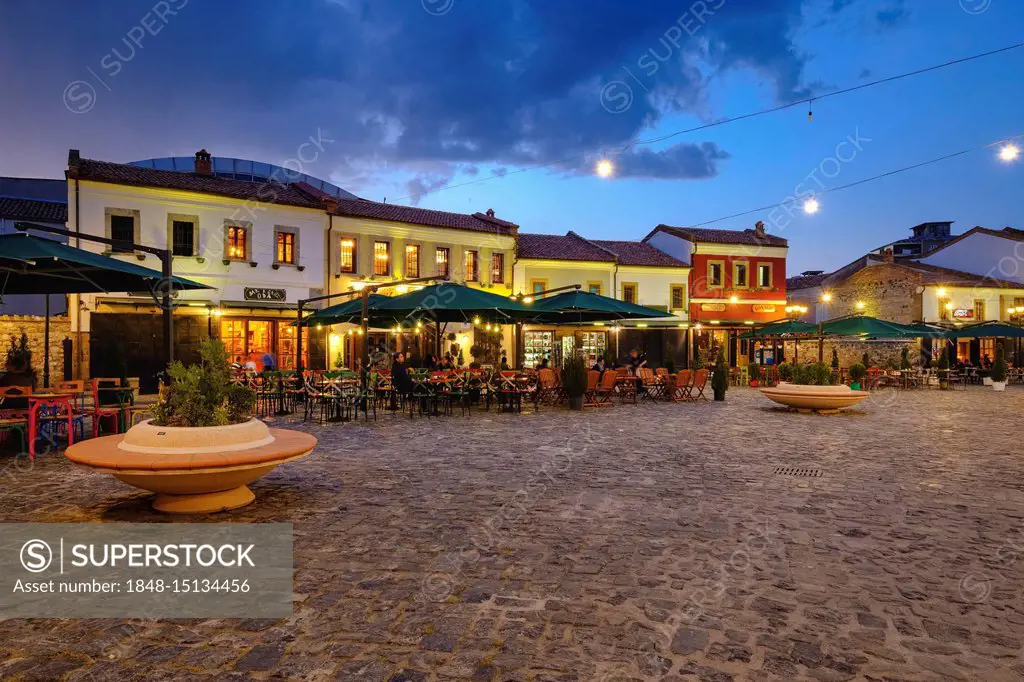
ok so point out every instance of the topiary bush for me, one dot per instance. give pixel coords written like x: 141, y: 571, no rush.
x: 202, y: 394
x: 785, y: 372
x: 999, y: 366
x: 720, y: 377
x: 866, y: 359
x: 755, y: 371
x: 835, y: 359
x: 574, y: 375
x: 857, y: 372
x: 905, y: 358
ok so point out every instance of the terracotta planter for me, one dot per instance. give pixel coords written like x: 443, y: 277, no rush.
x: 822, y: 399
x: 193, y: 470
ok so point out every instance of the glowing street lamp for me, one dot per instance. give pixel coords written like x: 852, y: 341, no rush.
x: 826, y: 298
x: 860, y: 305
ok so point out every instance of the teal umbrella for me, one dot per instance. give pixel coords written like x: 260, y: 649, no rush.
x: 448, y: 302
x: 781, y: 328
x: 864, y: 325
x: 577, y: 307
x: 350, y: 311
x: 924, y: 330
x: 987, y: 330
x: 34, y: 265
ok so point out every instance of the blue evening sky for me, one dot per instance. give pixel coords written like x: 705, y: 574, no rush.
x: 418, y: 95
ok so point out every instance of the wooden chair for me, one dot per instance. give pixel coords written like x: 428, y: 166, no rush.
x: 680, y: 383
x: 653, y: 387
x: 700, y: 380
x: 106, y: 403
x: 606, y: 389
x: 593, y: 379
x: 662, y: 372
x: 625, y: 385
x: 547, y: 388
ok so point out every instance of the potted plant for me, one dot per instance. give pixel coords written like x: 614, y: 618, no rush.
x: 865, y: 359
x: 202, y: 447
x: 943, y: 369
x: 720, y: 378
x: 905, y: 358
x: 755, y: 374
x: 19, y: 363
x: 999, y: 370
x: 785, y: 372
x: 835, y: 359
x: 857, y: 372
x: 574, y: 379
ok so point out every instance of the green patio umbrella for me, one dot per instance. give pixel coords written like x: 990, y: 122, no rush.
x: 449, y: 302
x: 991, y: 329
x: 863, y: 325
x: 578, y: 307
x: 924, y: 330
x: 350, y: 311
x: 781, y: 328
x: 34, y: 265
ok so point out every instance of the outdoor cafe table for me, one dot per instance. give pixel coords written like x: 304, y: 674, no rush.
x: 39, y: 401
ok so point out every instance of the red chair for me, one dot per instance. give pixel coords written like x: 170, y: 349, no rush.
x: 106, y: 404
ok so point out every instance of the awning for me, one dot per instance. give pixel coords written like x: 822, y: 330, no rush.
x: 781, y: 328
x: 581, y: 307
x: 986, y: 330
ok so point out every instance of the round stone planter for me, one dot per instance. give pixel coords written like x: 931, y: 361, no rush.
x: 193, y: 470
x: 822, y: 399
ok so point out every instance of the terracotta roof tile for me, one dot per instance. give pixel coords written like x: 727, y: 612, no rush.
x: 639, y: 253
x: 125, y: 174
x: 13, y: 208
x: 476, y: 222
x: 561, y: 247
x: 700, y: 234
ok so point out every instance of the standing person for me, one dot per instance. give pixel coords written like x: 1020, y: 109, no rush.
x: 268, y: 362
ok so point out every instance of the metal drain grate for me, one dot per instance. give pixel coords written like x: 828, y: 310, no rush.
x: 797, y: 471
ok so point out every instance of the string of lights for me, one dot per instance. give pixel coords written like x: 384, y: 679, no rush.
x: 1008, y: 152
x: 605, y: 168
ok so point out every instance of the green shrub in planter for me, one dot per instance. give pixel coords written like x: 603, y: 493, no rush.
x: 574, y: 379
x: 999, y: 366
x: 785, y: 372
x: 800, y: 374
x: 202, y: 394
x: 754, y: 371
x: 720, y: 377
x: 857, y: 373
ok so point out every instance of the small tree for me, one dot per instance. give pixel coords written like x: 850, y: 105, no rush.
x: 755, y: 371
x: 905, y: 358
x: 944, y: 358
x: 720, y: 377
x: 785, y: 372
x: 835, y: 359
x: 202, y: 394
x: 865, y: 359
x: 574, y: 377
x: 857, y: 372
x: 999, y: 366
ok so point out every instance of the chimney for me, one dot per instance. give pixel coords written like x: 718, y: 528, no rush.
x: 759, y: 228
x: 203, y: 164
x: 490, y: 213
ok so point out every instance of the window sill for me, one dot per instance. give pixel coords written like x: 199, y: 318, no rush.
x: 278, y: 266
x: 198, y: 259
x: 229, y: 261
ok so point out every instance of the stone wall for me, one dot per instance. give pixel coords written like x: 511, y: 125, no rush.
x: 852, y: 350
x: 60, y: 329
x: 888, y: 292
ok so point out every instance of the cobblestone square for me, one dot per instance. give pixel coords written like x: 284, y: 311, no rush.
x: 648, y: 542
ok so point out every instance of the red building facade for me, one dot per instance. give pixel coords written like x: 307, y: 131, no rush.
x: 737, y: 281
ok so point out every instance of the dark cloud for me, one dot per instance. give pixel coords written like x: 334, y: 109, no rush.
x: 510, y: 83
x: 892, y: 16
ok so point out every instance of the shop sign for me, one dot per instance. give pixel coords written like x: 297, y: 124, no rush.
x: 713, y: 307
x: 762, y: 308
x: 964, y: 313
x: 264, y: 294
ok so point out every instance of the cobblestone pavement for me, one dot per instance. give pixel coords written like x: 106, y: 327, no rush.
x: 632, y: 543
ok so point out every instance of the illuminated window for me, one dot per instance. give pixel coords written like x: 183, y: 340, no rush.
x: 347, y: 259
x: 236, y: 243
x: 764, y: 275
x: 497, y: 268
x: 381, y: 258
x: 945, y: 310
x: 740, y: 276
x: 716, y: 276
x: 594, y: 287
x: 443, y: 260
x: 286, y: 248
x: 678, y: 297
x: 412, y: 260
x: 232, y: 335
x: 629, y: 292
x: 472, y: 266
x: 538, y: 285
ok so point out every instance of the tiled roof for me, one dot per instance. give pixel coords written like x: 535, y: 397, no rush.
x: 934, y: 274
x: 476, y: 222
x: 573, y: 247
x: 700, y: 234
x: 13, y: 208
x: 124, y: 174
x: 561, y: 247
x: 639, y: 253
x: 805, y: 281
